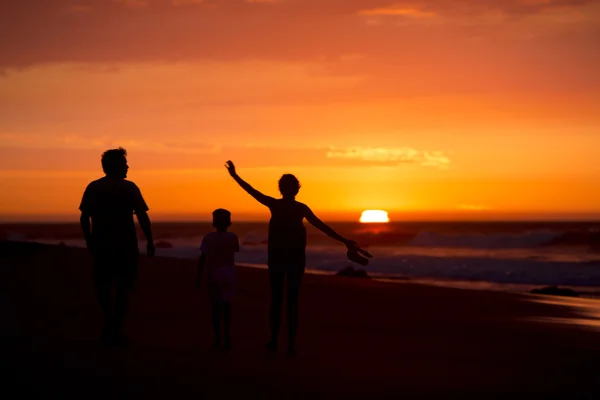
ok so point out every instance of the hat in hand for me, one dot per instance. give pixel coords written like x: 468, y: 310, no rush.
x: 358, y: 255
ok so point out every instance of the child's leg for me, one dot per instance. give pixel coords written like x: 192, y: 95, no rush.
x: 216, y: 321
x: 227, y: 323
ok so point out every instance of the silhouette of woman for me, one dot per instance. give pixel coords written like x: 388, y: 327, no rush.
x: 287, y: 248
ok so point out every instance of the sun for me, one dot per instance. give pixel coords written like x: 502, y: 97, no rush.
x: 374, y: 216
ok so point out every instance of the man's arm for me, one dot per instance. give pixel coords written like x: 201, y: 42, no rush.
x: 323, y: 227
x: 261, y: 198
x: 141, y: 211
x: 144, y: 221
x: 86, y: 206
x: 86, y: 228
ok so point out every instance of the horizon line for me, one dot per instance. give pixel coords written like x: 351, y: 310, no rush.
x: 540, y: 219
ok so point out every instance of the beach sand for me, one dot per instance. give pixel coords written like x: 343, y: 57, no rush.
x: 357, y: 338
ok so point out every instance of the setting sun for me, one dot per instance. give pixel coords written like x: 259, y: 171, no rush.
x: 374, y: 216
x: 357, y: 133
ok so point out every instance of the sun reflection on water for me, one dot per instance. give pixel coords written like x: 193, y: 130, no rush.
x: 587, y: 310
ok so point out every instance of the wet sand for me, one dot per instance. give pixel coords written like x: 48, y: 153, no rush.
x: 357, y: 338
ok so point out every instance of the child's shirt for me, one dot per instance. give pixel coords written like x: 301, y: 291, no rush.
x: 219, y: 248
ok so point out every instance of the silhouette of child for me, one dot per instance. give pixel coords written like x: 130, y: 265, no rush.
x: 287, y: 248
x: 218, y: 249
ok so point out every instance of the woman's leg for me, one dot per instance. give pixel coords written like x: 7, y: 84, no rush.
x: 294, y: 278
x: 276, y: 278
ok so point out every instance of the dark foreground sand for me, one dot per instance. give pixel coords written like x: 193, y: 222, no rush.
x: 358, y: 339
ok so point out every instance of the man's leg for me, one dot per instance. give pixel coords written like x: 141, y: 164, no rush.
x: 121, y: 308
x: 294, y: 278
x: 276, y: 279
x: 102, y: 281
x: 126, y: 276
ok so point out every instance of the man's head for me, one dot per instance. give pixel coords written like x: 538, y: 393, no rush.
x: 221, y: 219
x: 289, y: 185
x: 114, y: 163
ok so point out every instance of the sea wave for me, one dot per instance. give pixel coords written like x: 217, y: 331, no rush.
x: 492, y: 241
x: 498, y: 266
x: 540, y: 254
x: 529, y: 239
x: 424, y: 235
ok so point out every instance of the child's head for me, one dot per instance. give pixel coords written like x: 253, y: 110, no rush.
x: 289, y: 185
x: 221, y: 219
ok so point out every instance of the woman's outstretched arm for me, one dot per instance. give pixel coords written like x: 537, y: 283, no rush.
x: 261, y: 198
x: 326, y: 229
x: 323, y: 227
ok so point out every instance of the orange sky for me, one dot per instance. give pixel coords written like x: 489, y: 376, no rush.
x: 463, y: 109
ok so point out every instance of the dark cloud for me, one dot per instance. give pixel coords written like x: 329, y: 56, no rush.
x: 42, y: 31
x: 469, y: 45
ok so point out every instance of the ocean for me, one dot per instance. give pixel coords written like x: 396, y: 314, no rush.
x: 517, y: 255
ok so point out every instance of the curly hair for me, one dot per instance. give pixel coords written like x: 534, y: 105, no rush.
x: 289, y: 185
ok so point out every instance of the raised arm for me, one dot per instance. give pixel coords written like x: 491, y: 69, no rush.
x: 323, y: 227
x: 261, y: 198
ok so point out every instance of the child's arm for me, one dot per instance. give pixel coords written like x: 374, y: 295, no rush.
x: 201, y: 264
x: 236, y: 246
x: 261, y: 198
x: 202, y: 260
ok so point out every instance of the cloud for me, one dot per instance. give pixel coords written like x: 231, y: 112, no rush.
x: 407, y: 47
x: 186, y: 2
x: 71, y: 141
x: 473, y: 207
x: 397, y: 11
x: 60, y: 152
x: 78, y: 8
x: 233, y: 29
x: 399, y: 155
x: 513, y: 8
x: 132, y: 3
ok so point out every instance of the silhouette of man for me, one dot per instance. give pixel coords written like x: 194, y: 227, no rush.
x: 287, y: 250
x: 110, y: 203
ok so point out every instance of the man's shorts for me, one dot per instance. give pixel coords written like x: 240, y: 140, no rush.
x: 119, y: 267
